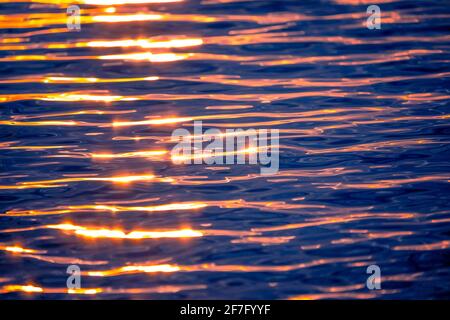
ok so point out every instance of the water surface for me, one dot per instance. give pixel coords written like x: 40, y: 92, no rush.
x: 86, y: 175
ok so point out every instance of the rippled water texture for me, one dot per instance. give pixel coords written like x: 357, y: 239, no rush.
x: 86, y: 175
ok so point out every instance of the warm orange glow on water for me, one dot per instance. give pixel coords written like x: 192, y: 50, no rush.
x: 136, y: 154
x: 84, y: 291
x: 112, y: 208
x: 104, y: 233
x: 17, y: 249
x: 134, y: 269
x: 120, y: 234
x: 105, y: 290
x: 67, y: 97
x: 367, y: 236
x: 85, y: 97
x: 155, y: 121
x: 141, y: 43
x: 211, y: 267
x: 93, y: 80
x: 163, y: 207
x: 73, y: 113
x: 382, y: 184
x: 229, y: 107
x: 102, y: 2
x: 373, y: 146
x: 41, y: 255
x: 441, y: 245
x: 175, y: 180
x: 275, y: 206
x: 335, y: 220
x: 40, y: 123
x: 36, y: 147
x: 342, y: 295
x: 353, y: 59
x: 122, y: 2
x: 289, y: 117
x: 360, y: 2
x: 265, y: 241
x: 125, y: 18
x: 125, y: 179
x: 59, y: 79
x: 17, y: 288
x: 151, y: 57
x: 145, y: 43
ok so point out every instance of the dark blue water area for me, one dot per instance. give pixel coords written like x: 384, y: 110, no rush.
x: 87, y: 177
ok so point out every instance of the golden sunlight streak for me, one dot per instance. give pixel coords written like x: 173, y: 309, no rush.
x: 119, y: 234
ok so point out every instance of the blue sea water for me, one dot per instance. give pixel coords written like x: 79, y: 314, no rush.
x: 87, y: 179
